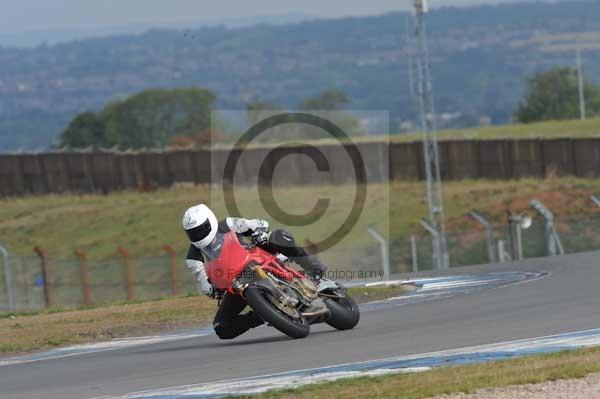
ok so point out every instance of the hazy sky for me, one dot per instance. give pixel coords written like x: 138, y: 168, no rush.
x: 34, y: 15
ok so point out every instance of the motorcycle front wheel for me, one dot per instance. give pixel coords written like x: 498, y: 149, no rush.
x: 258, y: 300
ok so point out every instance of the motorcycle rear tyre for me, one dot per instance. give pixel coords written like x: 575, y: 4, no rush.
x: 345, y: 313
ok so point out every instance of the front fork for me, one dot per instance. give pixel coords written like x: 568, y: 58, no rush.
x: 260, y: 279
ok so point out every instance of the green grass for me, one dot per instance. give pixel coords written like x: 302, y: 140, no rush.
x: 60, y: 327
x: 27, y: 331
x: 547, y: 130
x: 446, y: 380
x: 144, y: 222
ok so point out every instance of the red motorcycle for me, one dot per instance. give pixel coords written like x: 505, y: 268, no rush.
x: 283, y: 297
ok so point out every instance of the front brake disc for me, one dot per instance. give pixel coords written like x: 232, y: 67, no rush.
x: 288, y: 310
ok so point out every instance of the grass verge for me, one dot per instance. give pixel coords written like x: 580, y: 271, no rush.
x: 98, y: 224
x: 60, y: 327
x: 455, y: 379
x: 589, y: 128
x: 542, y: 130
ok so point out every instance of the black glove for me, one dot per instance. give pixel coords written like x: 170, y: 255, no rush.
x: 214, y: 293
x: 260, y: 236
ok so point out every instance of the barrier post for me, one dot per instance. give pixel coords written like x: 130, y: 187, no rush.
x: 435, y: 234
x: 385, y: 257
x: 8, y: 275
x: 502, y: 254
x: 85, y: 279
x: 490, y: 234
x: 414, y: 254
x: 174, y: 277
x: 48, y: 289
x: 128, y: 272
x: 553, y: 242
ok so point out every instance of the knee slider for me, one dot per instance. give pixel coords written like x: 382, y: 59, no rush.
x: 223, y: 331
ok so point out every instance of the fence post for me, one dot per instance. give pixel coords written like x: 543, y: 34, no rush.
x: 502, y: 254
x: 436, y: 235
x: 552, y: 239
x: 414, y: 255
x: 516, y: 225
x: 385, y: 258
x: 48, y: 290
x: 85, y: 279
x: 9, y: 279
x: 174, y: 277
x: 490, y: 234
x: 128, y: 272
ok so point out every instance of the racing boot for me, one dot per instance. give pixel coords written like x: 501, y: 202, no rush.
x: 316, y: 271
x: 313, y: 266
x: 253, y: 319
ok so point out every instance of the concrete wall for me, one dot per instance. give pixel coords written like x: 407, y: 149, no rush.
x: 57, y: 172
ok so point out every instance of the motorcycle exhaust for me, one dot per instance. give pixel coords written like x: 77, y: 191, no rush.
x: 321, y: 312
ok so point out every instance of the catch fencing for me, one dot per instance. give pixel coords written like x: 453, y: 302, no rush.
x: 40, y: 282
x: 471, y: 247
x: 44, y: 281
x: 106, y: 171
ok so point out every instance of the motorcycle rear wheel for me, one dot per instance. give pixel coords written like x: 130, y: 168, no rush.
x: 292, y: 327
x: 345, y: 313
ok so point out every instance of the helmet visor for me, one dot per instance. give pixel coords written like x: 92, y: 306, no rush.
x: 199, y: 233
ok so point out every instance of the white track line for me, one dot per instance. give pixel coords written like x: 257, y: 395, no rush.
x: 297, y: 378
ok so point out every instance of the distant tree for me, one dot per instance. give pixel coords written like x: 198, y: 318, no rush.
x: 330, y: 102
x: 327, y: 104
x: 148, y: 119
x: 256, y: 111
x: 554, y: 95
x: 326, y: 100
x: 86, y: 130
x: 152, y: 117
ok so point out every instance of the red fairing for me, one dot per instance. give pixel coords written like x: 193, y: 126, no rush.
x: 234, y: 258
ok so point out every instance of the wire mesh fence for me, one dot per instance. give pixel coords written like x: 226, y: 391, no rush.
x: 472, y: 247
x: 64, y: 285
x: 64, y: 282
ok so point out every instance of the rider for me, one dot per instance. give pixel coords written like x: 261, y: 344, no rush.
x: 206, y: 235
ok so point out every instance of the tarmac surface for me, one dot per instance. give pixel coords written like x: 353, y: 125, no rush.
x: 564, y: 298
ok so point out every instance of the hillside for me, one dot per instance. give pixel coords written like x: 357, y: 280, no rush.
x: 481, y: 57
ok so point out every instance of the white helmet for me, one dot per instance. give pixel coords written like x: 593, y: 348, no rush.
x: 200, y: 224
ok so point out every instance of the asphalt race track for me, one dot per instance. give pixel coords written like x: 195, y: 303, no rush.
x: 564, y: 299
